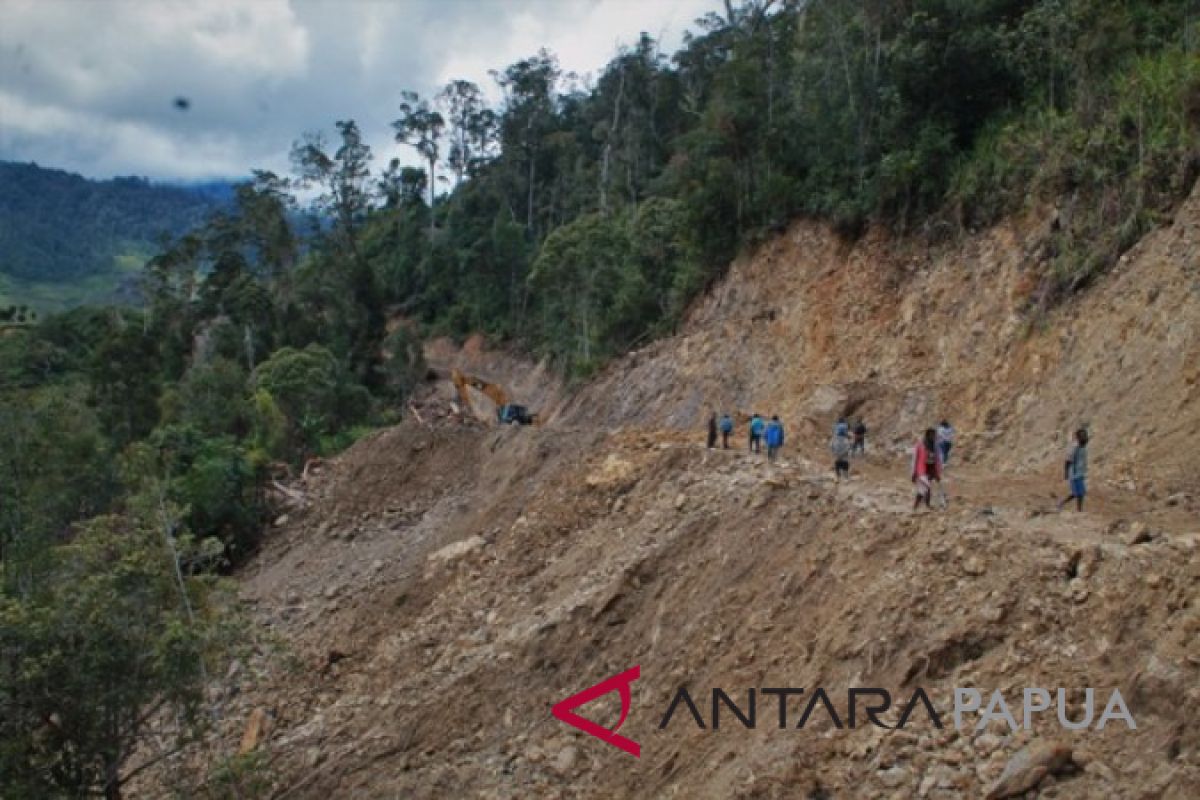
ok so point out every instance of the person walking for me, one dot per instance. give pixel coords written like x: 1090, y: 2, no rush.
x: 756, y: 432
x: 926, y: 468
x: 840, y: 446
x: 712, y: 430
x: 860, y: 438
x: 945, y: 440
x: 774, y: 437
x: 726, y: 429
x: 1075, y: 471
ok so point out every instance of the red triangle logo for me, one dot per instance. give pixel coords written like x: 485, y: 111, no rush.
x: 564, y: 710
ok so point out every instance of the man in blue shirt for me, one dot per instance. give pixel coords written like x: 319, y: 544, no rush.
x: 1075, y: 471
x: 774, y: 437
x: 756, y: 432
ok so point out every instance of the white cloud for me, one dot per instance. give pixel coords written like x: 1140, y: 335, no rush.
x: 63, y: 136
x: 261, y: 39
x: 89, y: 86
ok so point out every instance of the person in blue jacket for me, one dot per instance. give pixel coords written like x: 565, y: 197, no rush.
x: 726, y: 429
x: 756, y: 433
x: 774, y: 437
x: 841, y: 427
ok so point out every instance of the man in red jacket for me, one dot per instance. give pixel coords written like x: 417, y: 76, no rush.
x: 926, y: 468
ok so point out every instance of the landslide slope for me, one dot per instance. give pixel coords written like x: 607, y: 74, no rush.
x: 905, y: 333
x: 444, y: 585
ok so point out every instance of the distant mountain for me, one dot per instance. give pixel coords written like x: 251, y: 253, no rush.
x: 65, y: 239
x: 217, y: 191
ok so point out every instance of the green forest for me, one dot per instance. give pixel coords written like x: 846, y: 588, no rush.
x: 572, y: 220
x: 65, y: 240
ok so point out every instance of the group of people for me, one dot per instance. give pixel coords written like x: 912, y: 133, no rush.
x: 930, y: 455
x: 844, y: 447
x: 762, y: 432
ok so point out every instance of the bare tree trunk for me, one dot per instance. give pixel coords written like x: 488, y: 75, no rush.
x: 248, y: 343
x: 529, y: 200
x: 432, y: 192
x: 608, y: 145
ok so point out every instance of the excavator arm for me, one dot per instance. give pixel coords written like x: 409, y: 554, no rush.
x: 460, y: 385
x: 463, y: 383
x: 494, y: 391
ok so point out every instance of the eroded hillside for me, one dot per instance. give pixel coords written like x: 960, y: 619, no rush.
x: 446, y: 583
x: 905, y: 334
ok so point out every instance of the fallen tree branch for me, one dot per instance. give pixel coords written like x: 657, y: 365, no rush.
x: 417, y: 414
x: 295, y: 495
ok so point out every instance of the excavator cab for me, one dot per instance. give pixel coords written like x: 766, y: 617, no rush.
x: 513, y: 414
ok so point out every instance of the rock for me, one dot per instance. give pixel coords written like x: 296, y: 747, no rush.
x: 680, y: 501
x: 1139, y: 533
x: 973, y: 566
x: 986, y: 743
x: 564, y: 762
x: 1029, y: 766
x: 1081, y: 757
x: 611, y: 474
x: 1101, y: 771
x: 993, y: 614
x: 331, y: 592
x: 457, y: 550
x: 256, y: 730
x: 1078, y: 589
x: 895, y: 777
x: 281, y: 520
x: 1160, y: 682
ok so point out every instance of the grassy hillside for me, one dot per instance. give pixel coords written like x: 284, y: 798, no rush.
x: 66, y: 240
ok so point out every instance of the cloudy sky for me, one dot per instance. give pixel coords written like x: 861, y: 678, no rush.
x: 90, y: 85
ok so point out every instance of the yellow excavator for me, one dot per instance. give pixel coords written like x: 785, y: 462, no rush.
x: 506, y: 413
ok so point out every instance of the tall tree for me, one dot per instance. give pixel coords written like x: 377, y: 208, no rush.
x: 471, y: 126
x: 421, y: 126
x: 341, y: 288
x: 342, y: 178
x: 529, y: 108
